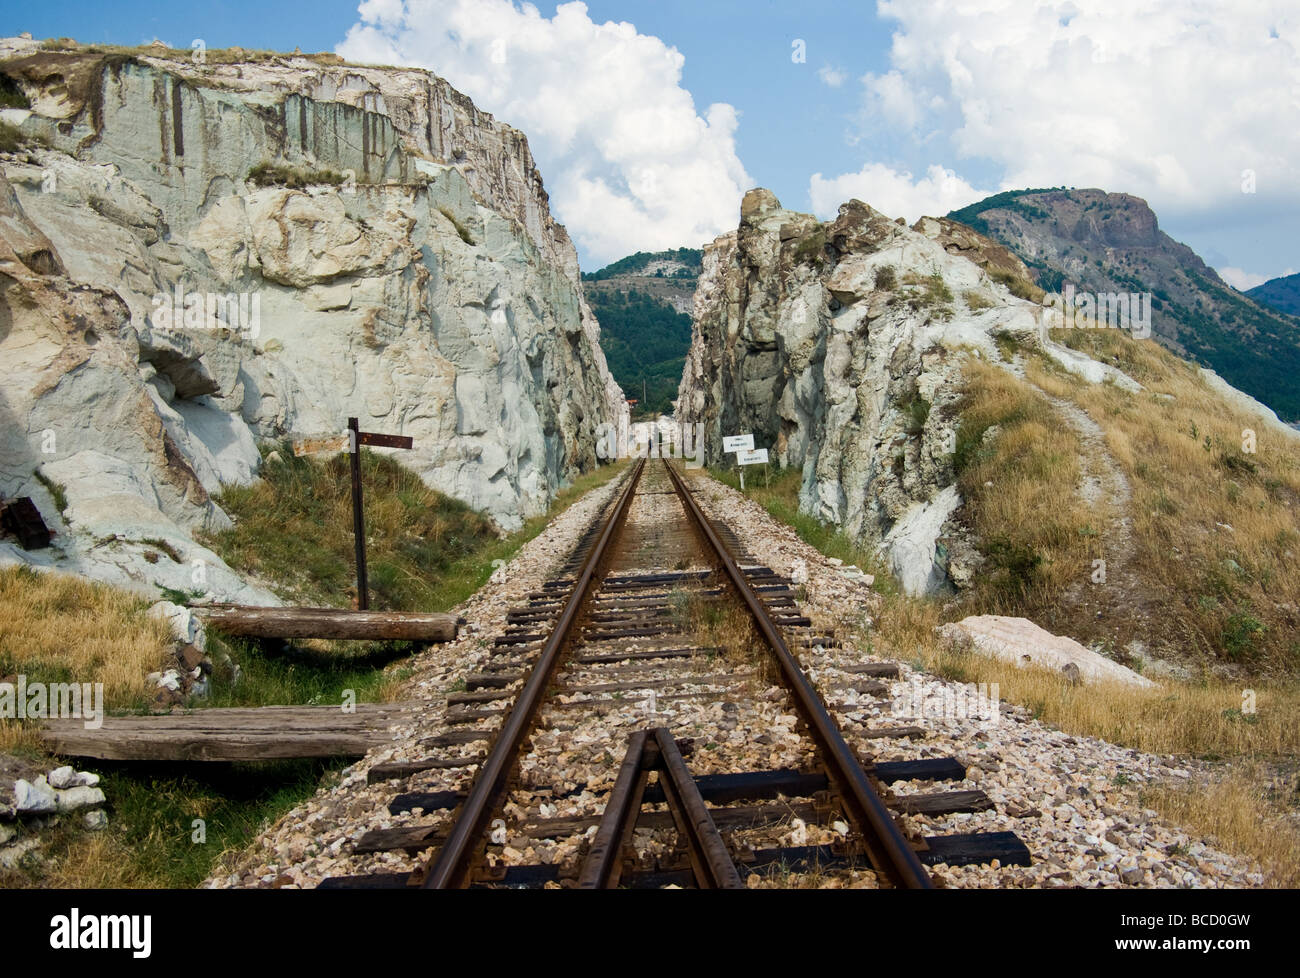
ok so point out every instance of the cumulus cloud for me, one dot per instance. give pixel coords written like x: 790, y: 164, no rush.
x: 894, y: 192
x: 1241, y: 280
x: 832, y: 76
x: 629, y: 161
x: 1183, y: 102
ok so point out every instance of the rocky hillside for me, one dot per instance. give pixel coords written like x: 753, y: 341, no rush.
x: 1104, y: 242
x: 643, y: 302
x: 936, y: 413
x: 198, y: 256
x: 1282, y: 294
x: 668, y: 276
x: 837, y: 346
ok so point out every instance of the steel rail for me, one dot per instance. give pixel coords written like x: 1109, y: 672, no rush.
x: 452, y: 866
x: 710, y: 860
x: 887, y: 847
x: 603, y: 865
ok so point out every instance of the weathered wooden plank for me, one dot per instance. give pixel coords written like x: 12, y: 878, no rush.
x: 239, y: 734
x: 942, y: 802
x: 404, y: 769
x: 881, y: 670
x: 878, y: 733
x: 340, y: 623
x: 321, y: 443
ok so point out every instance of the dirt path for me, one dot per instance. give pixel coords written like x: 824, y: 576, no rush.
x: 1114, y: 600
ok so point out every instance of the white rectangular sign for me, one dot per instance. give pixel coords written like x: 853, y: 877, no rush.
x: 752, y: 457
x: 737, y: 443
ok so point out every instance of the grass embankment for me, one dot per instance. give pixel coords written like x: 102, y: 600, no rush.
x: 1017, y: 466
x: 1215, y: 502
x: 64, y: 628
x: 1249, y: 809
x: 1039, y: 538
x: 294, y: 531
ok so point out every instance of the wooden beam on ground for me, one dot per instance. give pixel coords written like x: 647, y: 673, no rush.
x: 242, y: 734
x: 257, y: 622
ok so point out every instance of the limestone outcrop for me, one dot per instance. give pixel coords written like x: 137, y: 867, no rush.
x: 195, y: 257
x: 840, y: 346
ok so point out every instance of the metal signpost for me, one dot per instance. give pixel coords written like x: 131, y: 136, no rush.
x: 746, y: 453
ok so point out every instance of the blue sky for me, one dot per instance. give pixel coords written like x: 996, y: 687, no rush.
x: 915, y: 108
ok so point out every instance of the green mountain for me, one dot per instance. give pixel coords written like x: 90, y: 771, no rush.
x: 643, y: 303
x: 683, y: 263
x: 1282, y: 294
x: 1103, y: 242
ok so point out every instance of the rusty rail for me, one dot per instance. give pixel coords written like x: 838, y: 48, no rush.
x: 453, y: 865
x: 710, y: 859
x: 604, y: 863
x: 656, y: 750
x: 887, y: 847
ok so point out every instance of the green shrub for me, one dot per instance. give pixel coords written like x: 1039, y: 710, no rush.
x: 1239, y: 633
x: 266, y: 174
x: 460, y: 228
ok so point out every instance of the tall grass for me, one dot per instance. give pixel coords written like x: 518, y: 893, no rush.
x: 424, y: 551
x: 1017, y: 467
x: 150, y: 841
x: 63, y: 628
x: 293, y: 528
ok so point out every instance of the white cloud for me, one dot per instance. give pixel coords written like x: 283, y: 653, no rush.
x: 890, y: 96
x: 1172, y: 100
x: 1241, y: 280
x: 630, y: 163
x: 894, y: 192
x: 832, y: 76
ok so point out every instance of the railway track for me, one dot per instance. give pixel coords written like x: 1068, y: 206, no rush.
x: 645, y: 721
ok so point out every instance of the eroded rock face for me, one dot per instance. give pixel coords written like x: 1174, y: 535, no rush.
x: 839, y: 346
x: 161, y: 312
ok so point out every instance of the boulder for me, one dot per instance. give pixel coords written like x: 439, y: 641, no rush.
x: 1022, y: 643
x: 66, y: 777
x: 82, y: 796
x: 186, y: 627
x: 35, y: 797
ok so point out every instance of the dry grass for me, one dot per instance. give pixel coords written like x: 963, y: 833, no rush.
x: 1019, y: 489
x: 1249, y: 810
x: 1239, y: 814
x: 1226, y: 594
x: 724, y: 623
x: 212, y: 55
x: 64, y: 628
x: 1202, y: 718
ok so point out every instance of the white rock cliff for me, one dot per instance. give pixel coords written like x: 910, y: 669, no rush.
x: 840, y: 346
x: 161, y: 312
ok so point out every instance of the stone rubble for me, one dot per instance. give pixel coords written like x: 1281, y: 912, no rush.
x: 37, y: 801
